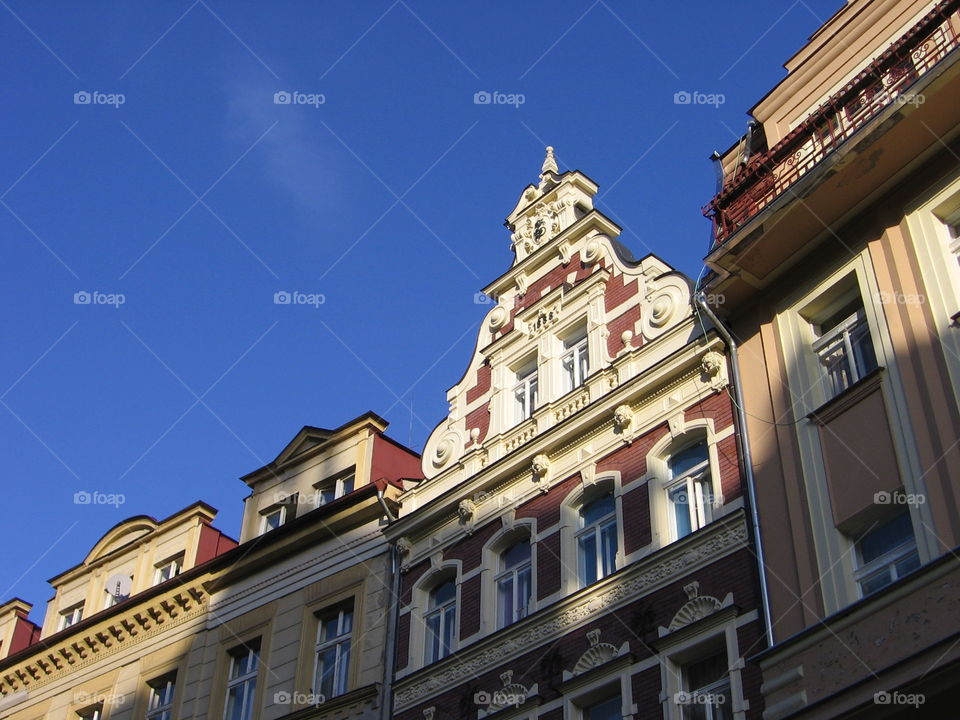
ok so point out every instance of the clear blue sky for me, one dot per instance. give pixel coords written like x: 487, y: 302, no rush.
x: 198, y: 198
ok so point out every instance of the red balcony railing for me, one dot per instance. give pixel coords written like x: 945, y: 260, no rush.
x: 885, y: 81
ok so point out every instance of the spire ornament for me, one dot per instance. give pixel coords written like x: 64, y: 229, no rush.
x: 549, y: 163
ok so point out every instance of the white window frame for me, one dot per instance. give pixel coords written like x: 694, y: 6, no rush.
x: 70, y: 616
x: 280, y: 510
x: 576, y: 353
x: 597, y: 529
x: 176, y: 563
x: 341, y: 643
x: 94, y: 712
x: 513, y: 575
x: 707, y: 690
x: 886, y: 563
x: 343, y: 485
x: 843, y: 335
x: 248, y: 679
x: 160, y: 699
x: 693, y: 481
x: 442, y: 612
x: 526, y: 392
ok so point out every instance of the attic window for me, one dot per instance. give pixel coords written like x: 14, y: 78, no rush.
x: 167, y: 569
x: 336, y: 487
x: 71, y: 616
x: 280, y: 513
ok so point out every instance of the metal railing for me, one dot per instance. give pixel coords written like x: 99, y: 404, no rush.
x: 885, y: 81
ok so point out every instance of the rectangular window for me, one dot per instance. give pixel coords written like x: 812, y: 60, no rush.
x: 242, y: 681
x: 71, y: 616
x: 273, y: 518
x: 513, y: 584
x: 689, y: 493
x: 575, y: 360
x: 706, y: 694
x: 334, y: 633
x: 609, y: 709
x: 844, y: 347
x: 525, y: 392
x: 160, y: 700
x: 886, y: 553
x: 94, y: 712
x: 330, y: 490
x: 168, y: 569
x: 597, y: 540
x: 441, y: 621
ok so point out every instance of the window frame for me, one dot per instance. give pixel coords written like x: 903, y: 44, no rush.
x: 248, y: 704
x: 597, y: 530
x: 176, y: 561
x: 338, y: 483
x: 864, y: 571
x: 692, y: 480
x: 341, y: 674
x: 160, y: 703
x: 432, y: 654
x: 843, y: 334
x: 280, y: 510
x: 68, y: 613
x: 513, y: 574
x: 91, y: 712
x: 527, y: 381
x: 576, y: 348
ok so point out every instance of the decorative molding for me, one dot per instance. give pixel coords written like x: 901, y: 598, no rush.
x: 511, y: 694
x: 541, y: 471
x: 637, y: 581
x: 578, y: 402
x: 696, y: 608
x: 596, y: 655
x: 622, y: 418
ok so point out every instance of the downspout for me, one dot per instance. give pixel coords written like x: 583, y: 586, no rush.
x: 747, y: 459
x: 386, y: 692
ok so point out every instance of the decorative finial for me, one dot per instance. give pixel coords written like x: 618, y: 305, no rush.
x: 549, y: 163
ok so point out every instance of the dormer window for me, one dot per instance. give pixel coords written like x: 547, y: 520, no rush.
x: 575, y: 360
x: 273, y: 518
x: 525, y: 392
x: 71, y: 616
x: 335, y: 488
x: 168, y: 569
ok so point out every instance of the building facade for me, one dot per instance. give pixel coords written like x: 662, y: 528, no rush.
x: 835, y: 266
x: 580, y: 546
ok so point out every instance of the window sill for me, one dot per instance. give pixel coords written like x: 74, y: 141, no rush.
x: 839, y: 404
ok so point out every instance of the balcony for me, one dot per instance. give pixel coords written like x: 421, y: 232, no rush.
x: 886, y: 81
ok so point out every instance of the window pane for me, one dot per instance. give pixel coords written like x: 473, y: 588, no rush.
x: 908, y: 564
x: 598, y: 509
x: 685, y: 460
x: 235, y: 703
x: 326, y: 671
x: 884, y: 538
x: 524, y: 588
x: 328, y: 495
x: 606, y: 710
x: 588, y: 558
x: 681, y: 510
x: 443, y: 593
x: 864, y: 355
x: 608, y: 540
x: 505, y: 609
x: 347, y: 484
x: 516, y: 555
x: 433, y: 637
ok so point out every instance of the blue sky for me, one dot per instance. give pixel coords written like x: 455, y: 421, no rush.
x: 196, y: 198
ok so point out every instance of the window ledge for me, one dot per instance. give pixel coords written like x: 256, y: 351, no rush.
x: 839, y: 404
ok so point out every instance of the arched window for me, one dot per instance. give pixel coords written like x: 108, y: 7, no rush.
x: 597, y: 539
x: 440, y: 621
x: 513, y: 583
x: 688, y: 492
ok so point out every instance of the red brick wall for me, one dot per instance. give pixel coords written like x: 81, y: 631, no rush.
x: 484, y: 373
x: 546, y: 508
x: 403, y: 641
x: 626, y: 321
x: 619, y: 290
x: 469, y: 606
x: 480, y: 419
x: 469, y: 550
x: 636, y: 518
x: 631, y: 460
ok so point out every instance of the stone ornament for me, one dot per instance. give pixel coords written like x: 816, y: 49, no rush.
x: 498, y: 318
x: 466, y: 510
x: 592, y: 251
x: 696, y: 608
x: 622, y: 417
x: 596, y: 655
x: 712, y: 363
x: 541, y: 466
x: 444, y: 451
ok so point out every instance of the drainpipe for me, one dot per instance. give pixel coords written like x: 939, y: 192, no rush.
x: 389, y: 653
x: 747, y: 459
